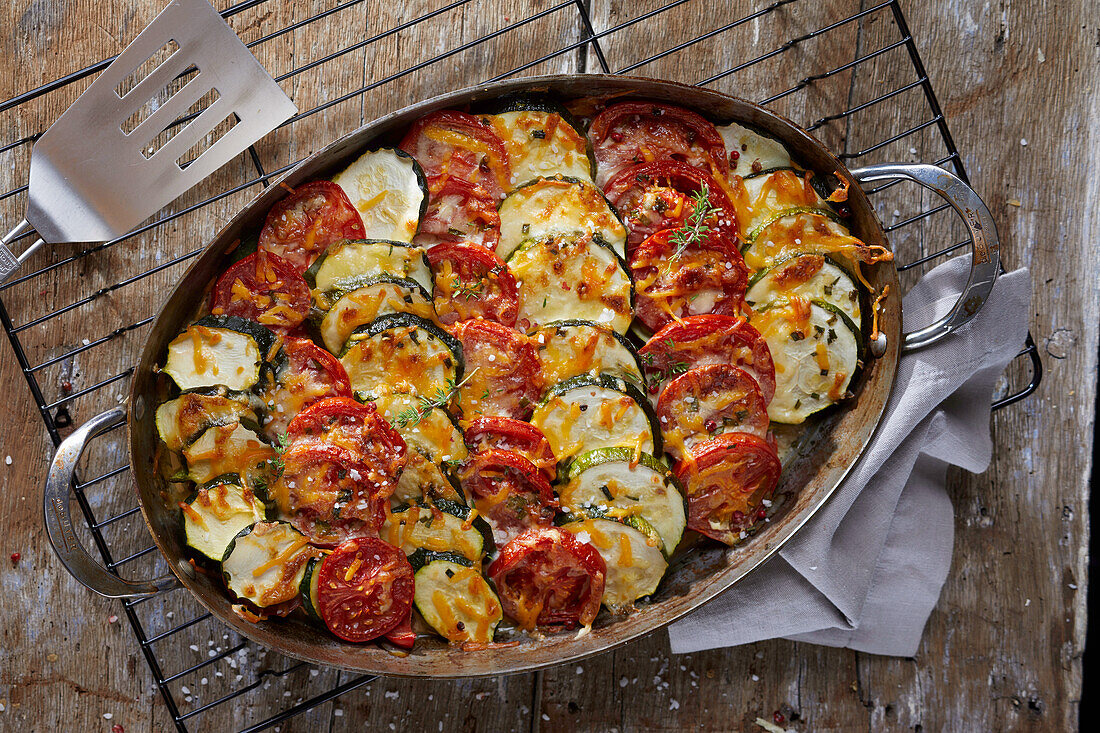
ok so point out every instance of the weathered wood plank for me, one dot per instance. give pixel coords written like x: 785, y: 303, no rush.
x: 1002, y: 650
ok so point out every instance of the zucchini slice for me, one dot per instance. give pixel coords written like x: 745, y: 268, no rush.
x: 589, y: 412
x: 378, y: 297
x: 549, y: 206
x: 265, y: 563
x: 456, y: 600
x: 571, y: 348
x: 755, y: 152
x: 612, y: 483
x: 181, y: 420
x: 540, y: 142
x: 223, y: 449
x: 807, y: 231
x: 816, y: 350
x: 401, y: 353
x: 773, y: 195
x: 435, y: 433
x: 807, y: 276
x: 308, y: 589
x: 573, y: 276
x: 216, y: 513
x: 450, y: 527
x: 351, y: 264
x: 388, y: 188
x: 635, y: 564
x: 218, y: 351
x: 423, y: 479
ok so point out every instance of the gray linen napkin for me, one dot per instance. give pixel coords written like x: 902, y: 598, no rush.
x: 866, y: 571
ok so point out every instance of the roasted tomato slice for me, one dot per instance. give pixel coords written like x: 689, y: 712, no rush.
x: 364, y: 589
x: 453, y: 143
x: 327, y: 493
x: 472, y: 282
x: 547, y: 577
x: 505, y: 433
x: 708, y: 339
x: 629, y: 133
x: 509, y: 491
x: 650, y: 197
x: 358, y: 428
x: 678, y: 275
x: 708, y: 401
x: 313, y: 216
x: 727, y: 480
x: 459, y: 211
x: 265, y: 288
x: 502, y: 370
x: 402, y: 635
x: 304, y: 373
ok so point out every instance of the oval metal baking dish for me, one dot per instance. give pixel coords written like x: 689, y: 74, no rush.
x: 694, y: 578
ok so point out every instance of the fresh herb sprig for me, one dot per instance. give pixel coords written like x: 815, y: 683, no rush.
x: 281, y: 445
x: 695, y: 227
x: 470, y: 291
x: 411, y: 416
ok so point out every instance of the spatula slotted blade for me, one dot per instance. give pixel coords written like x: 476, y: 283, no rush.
x: 90, y: 181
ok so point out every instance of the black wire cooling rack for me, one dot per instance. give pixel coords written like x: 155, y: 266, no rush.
x: 831, y: 66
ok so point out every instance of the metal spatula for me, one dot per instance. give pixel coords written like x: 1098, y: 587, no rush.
x: 92, y: 181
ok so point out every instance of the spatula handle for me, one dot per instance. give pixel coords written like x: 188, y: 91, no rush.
x: 9, y: 263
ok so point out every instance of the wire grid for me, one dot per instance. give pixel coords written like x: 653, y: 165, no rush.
x: 828, y: 62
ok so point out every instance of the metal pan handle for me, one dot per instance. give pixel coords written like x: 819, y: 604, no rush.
x: 985, y: 247
x: 59, y: 522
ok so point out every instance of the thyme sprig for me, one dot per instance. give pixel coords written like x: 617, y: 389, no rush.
x: 695, y: 227
x: 468, y: 290
x: 411, y: 416
x: 281, y: 445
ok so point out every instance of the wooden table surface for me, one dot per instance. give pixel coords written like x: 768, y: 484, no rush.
x: 1002, y: 650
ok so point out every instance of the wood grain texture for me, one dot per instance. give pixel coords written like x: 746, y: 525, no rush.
x: 1003, y: 648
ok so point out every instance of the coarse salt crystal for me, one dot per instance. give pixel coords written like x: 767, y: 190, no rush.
x: 755, y: 678
x: 673, y: 704
x: 7, y: 461
x: 185, y: 690
x: 194, y: 647
x: 338, y: 713
x: 108, y: 716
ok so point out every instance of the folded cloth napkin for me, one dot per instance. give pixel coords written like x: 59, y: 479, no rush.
x: 867, y: 569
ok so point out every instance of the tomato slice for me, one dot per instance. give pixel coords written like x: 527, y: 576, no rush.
x: 358, y: 428
x: 402, y: 635
x: 727, y: 480
x: 326, y: 492
x: 509, y: 491
x: 547, y: 577
x: 704, y: 275
x: 707, y: 339
x: 472, y: 282
x: 709, y: 400
x: 265, y: 288
x: 502, y: 370
x: 459, y: 211
x: 629, y: 133
x: 364, y: 589
x: 453, y: 143
x: 312, y: 217
x: 304, y: 373
x: 650, y: 197
x: 505, y: 433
